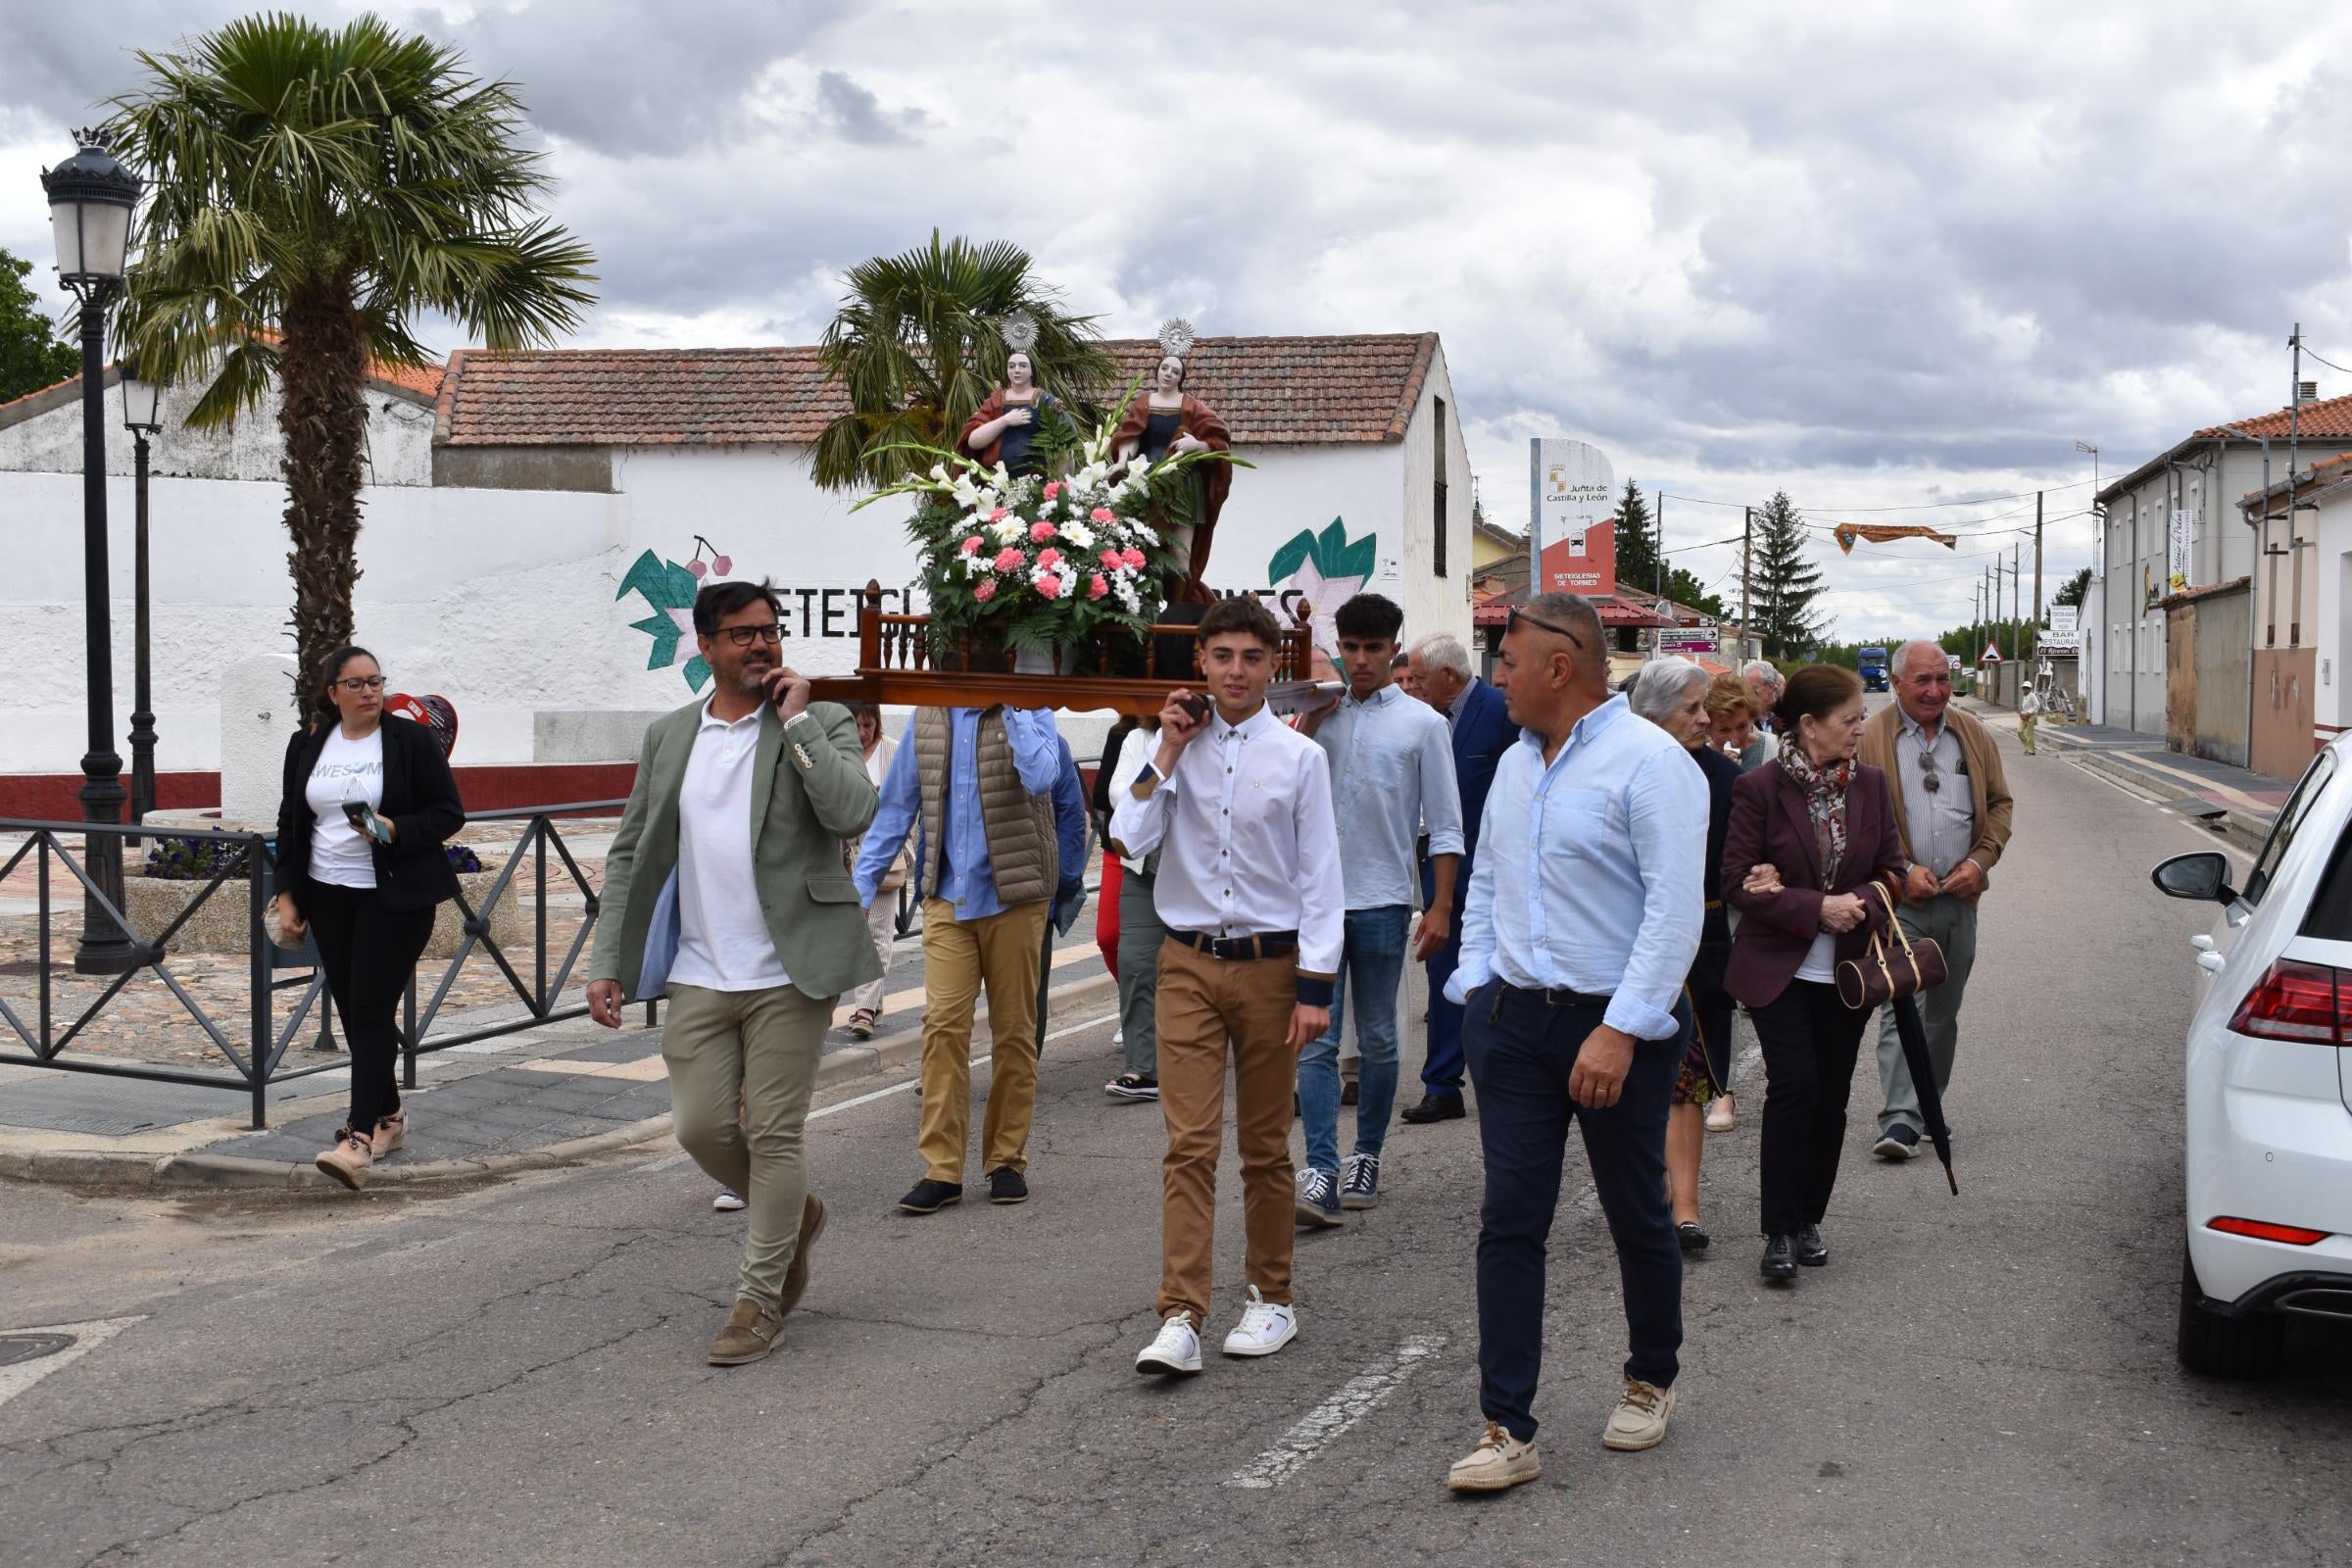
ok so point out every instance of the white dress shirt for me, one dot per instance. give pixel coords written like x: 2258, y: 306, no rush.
x: 1591, y: 871
x: 1246, y: 840
x: 1391, y: 771
x: 1142, y: 746
x: 723, y: 942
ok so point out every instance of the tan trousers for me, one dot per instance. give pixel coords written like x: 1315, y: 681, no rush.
x: 1206, y: 1005
x: 959, y: 957
x: 761, y: 1045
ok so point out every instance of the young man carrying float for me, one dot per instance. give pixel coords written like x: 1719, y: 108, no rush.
x: 1239, y: 806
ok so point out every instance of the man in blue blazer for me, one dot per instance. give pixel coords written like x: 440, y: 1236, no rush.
x: 1482, y: 732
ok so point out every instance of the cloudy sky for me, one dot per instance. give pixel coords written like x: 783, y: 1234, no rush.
x: 1872, y: 255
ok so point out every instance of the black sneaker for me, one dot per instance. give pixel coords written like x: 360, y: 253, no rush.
x: 1780, y: 1258
x: 1006, y: 1186
x: 1435, y: 1107
x: 1811, y: 1249
x: 1899, y: 1143
x: 1133, y: 1086
x: 1319, y: 1201
x: 1692, y: 1236
x: 929, y: 1197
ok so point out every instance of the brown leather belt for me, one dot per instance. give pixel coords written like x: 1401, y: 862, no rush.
x: 1264, y: 945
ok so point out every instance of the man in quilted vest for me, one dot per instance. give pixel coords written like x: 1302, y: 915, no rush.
x: 976, y: 786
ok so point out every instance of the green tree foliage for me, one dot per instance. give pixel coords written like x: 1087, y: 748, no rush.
x: 1685, y: 589
x: 312, y: 192
x: 1784, y: 581
x: 2073, y: 590
x: 1637, y: 541
x: 919, y: 344
x: 31, y: 354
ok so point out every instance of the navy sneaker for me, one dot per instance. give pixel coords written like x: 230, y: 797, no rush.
x: 1899, y: 1143
x: 1359, y: 1186
x: 928, y: 1196
x: 1319, y: 1201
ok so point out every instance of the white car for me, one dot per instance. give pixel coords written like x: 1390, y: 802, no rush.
x: 2269, y: 1147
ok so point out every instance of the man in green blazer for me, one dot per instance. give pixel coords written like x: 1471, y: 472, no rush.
x: 725, y: 891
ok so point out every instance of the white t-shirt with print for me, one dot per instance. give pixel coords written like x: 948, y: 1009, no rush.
x: 346, y: 770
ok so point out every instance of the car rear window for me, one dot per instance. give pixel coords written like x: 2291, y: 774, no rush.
x: 2298, y: 805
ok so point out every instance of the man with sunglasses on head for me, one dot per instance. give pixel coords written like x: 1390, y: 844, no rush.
x: 1952, y: 807
x: 724, y: 890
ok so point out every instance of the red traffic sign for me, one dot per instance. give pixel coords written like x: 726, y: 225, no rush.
x: 1992, y: 654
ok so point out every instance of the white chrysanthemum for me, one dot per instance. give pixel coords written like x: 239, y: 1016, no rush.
x: 1124, y: 591
x: 1079, y: 534
x: 1007, y: 530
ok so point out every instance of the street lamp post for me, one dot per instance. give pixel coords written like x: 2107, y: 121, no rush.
x: 142, y: 417
x: 90, y: 202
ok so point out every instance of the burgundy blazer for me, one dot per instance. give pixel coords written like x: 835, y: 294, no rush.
x: 1770, y: 825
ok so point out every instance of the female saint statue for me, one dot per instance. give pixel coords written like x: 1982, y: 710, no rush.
x: 1005, y: 426
x: 1169, y: 421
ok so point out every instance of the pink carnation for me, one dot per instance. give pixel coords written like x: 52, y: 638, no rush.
x: 984, y: 590
x: 1104, y: 514
x: 1040, y: 531
x: 1050, y: 586
x: 1048, y: 559
x: 1008, y: 560
x: 996, y: 515
x: 1052, y: 488
x: 1098, y: 588
x: 971, y: 546
x: 1112, y: 560
x: 1133, y: 557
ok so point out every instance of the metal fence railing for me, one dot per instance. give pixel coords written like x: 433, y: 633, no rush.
x: 246, y: 1032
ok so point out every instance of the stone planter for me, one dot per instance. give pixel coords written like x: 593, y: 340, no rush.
x: 219, y: 926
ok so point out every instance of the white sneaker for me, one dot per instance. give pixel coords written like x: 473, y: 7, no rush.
x: 1177, y: 1349
x: 728, y: 1201
x: 1264, y: 1328
x: 1118, y: 1037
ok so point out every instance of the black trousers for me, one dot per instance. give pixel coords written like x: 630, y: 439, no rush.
x: 1810, y: 1040
x: 368, y: 952
x: 1520, y: 1050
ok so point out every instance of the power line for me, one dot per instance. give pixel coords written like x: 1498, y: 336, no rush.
x: 1920, y: 506
x: 2331, y: 364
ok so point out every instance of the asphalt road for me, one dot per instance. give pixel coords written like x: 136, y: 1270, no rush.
x: 514, y: 1375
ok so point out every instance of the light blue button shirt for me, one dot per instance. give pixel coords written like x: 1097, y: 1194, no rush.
x: 968, y: 878
x: 1391, y: 769
x: 1590, y: 871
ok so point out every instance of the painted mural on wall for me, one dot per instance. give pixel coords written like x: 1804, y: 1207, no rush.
x: 1325, y: 569
x: 668, y: 589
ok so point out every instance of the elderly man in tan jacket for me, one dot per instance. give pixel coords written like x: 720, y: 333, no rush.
x: 1951, y: 804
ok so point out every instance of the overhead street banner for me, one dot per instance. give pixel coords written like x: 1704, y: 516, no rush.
x: 2178, y: 576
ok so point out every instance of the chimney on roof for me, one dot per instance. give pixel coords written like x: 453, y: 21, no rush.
x: 2307, y: 391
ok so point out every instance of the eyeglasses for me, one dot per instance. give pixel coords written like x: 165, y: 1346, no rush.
x: 362, y: 683
x: 745, y: 636
x: 1929, y: 780
x: 1517, y: 616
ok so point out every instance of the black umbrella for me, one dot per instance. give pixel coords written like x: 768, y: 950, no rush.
x: 1914, y: 1036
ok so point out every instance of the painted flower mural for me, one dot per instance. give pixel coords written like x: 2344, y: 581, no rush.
x: 668, y: 589
x: 1328, y: 570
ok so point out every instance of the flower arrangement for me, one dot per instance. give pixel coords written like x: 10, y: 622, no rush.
x: 1044, y: 563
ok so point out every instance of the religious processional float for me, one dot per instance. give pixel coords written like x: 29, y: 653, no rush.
x: 1062, y: 570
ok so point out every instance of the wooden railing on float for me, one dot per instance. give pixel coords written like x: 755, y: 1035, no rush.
x: 895, y: 668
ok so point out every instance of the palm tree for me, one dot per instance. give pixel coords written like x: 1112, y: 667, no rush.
x: 312, y: 192
x: 918, y: 345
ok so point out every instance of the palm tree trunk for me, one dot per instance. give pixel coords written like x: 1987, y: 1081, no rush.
x: 322, y: 368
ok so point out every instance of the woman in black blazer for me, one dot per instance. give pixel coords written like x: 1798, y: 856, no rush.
x: 367, y: 805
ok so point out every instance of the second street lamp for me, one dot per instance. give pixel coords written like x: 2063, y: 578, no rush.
x: 142, y: 417
x: 90, y: 201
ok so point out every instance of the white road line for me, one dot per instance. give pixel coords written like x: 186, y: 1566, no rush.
x: 669, y: 1161
x: 87, y: 1336
x: 1330, y: 1420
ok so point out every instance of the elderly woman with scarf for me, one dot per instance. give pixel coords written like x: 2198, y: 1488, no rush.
x: 1810, y: 832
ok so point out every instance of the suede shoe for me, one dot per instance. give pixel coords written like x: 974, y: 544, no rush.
x: 1639, y: 1420
x: 348, y: 1161
x: 1007, y: 1186
x: 751, y: 1332
x: 928, y: 1196
x: 1811, y: 1251
x: 1780, y: 1258
x: 795, y: 1273
x: 1435, y: 1107
x: 391, y: 1132
x: 1498, y: 1464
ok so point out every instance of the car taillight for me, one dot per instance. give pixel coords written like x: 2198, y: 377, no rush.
x: 2294, y: 1000
x: 2263, y: 1230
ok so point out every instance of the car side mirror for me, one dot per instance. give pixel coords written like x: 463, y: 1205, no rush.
x: 2203, y: 877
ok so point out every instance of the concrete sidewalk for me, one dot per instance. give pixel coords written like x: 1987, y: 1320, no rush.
x: 2237, y: 801
x: 554, y: 1095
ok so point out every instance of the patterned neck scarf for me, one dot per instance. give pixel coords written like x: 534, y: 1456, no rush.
x: 1825, y: 802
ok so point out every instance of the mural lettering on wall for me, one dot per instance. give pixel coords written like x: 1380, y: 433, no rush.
x: 668, y: 589
x: 1326, y: 569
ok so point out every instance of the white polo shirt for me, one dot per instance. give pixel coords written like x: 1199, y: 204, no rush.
x: 723, y: 942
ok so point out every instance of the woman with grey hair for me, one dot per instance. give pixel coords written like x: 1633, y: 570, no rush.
x: 1672, y: 694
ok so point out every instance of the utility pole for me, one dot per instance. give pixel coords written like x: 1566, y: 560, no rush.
x: 2037, y: 574
x: 1660, y: 552
x: 2015, y: 549
x: 1747, y: 518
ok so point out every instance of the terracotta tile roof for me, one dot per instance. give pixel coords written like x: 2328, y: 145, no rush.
x: 2320, y: 476
x: 1272, y: 391
x: 2329, y: 418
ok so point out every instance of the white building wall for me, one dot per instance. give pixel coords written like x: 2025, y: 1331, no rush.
x: 400, y: 441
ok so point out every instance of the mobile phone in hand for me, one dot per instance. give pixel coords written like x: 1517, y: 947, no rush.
x: 365, y: 823
x: 1195, y: 706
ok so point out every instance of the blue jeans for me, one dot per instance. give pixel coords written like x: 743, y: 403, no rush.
x: 1372, y: 958
x: 1521, y: 1050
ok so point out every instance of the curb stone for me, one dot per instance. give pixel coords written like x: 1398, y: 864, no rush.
x: 108, y: 1168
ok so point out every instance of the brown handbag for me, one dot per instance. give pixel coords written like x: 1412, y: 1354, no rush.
x: 1890, y: 968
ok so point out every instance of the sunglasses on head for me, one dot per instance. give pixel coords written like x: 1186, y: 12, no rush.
x: 1517, y: 616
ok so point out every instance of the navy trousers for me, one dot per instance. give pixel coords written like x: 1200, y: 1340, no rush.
x: 1442, y: 1069
x: 1521, y: 1047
